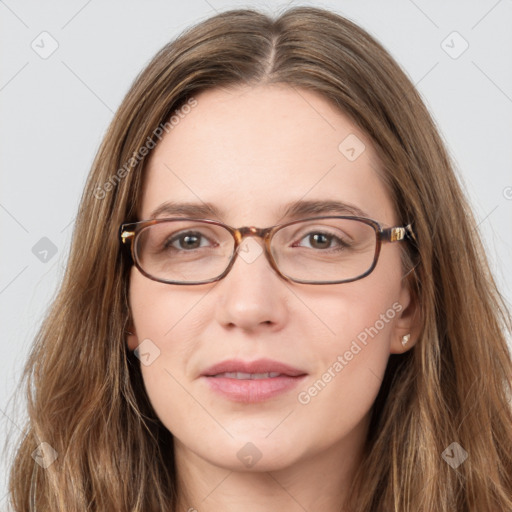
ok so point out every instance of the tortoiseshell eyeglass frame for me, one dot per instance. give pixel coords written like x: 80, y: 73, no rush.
x: 128, y: 233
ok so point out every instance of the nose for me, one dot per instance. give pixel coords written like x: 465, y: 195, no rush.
x: 252, y: 295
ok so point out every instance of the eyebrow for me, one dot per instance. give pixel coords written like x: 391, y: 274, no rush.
x: 291, y: 210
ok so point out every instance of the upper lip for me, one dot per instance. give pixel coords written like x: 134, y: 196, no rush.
x: 258, y: 366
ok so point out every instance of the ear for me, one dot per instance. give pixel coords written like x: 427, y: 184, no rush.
x: 407, y: 321
x: 132, y: 339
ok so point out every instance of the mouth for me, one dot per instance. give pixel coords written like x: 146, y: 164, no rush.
x: 254, y: 381
x: 247, y: 376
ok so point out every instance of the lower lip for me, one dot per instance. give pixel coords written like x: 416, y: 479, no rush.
x: 252, y: 390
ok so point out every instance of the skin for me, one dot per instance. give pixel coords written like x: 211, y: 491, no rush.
x: 249, y: 150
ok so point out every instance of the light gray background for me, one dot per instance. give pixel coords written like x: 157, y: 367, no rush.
x: 54, y: 113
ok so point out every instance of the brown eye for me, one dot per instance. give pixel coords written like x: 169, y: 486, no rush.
x: 185, y: 241
x: 319, y: 240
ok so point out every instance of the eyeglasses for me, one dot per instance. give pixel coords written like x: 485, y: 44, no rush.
x: 319, y: 250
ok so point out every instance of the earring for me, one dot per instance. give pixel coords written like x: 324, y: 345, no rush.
x: 128, y: 332
x: 405, y: 339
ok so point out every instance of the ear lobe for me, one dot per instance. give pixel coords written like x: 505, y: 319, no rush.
x: 132, y: 341
x: 408, y: 322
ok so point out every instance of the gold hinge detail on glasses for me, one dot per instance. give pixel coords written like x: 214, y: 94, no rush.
x: 126, y: 234
x: 397, y: 234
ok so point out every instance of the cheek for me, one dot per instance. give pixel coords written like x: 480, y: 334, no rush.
x: 168, y: 322
x: 160, y: 310
x: 359, y: 318
x: 355, y: 347
x: 351, y: 361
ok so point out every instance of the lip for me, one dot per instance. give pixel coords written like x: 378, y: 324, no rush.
x: 258, y: 366
x: 252, y: 390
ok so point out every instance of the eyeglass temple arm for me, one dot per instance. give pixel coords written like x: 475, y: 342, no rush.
x: 397, y: 234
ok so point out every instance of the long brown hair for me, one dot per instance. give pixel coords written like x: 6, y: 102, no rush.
x: 85, y: 392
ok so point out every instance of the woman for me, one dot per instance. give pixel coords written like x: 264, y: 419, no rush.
x: 275, y: 299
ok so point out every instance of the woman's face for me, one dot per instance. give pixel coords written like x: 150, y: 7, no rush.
x: 249, y: 153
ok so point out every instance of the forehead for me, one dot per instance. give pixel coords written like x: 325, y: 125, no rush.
x: 250, y: 150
